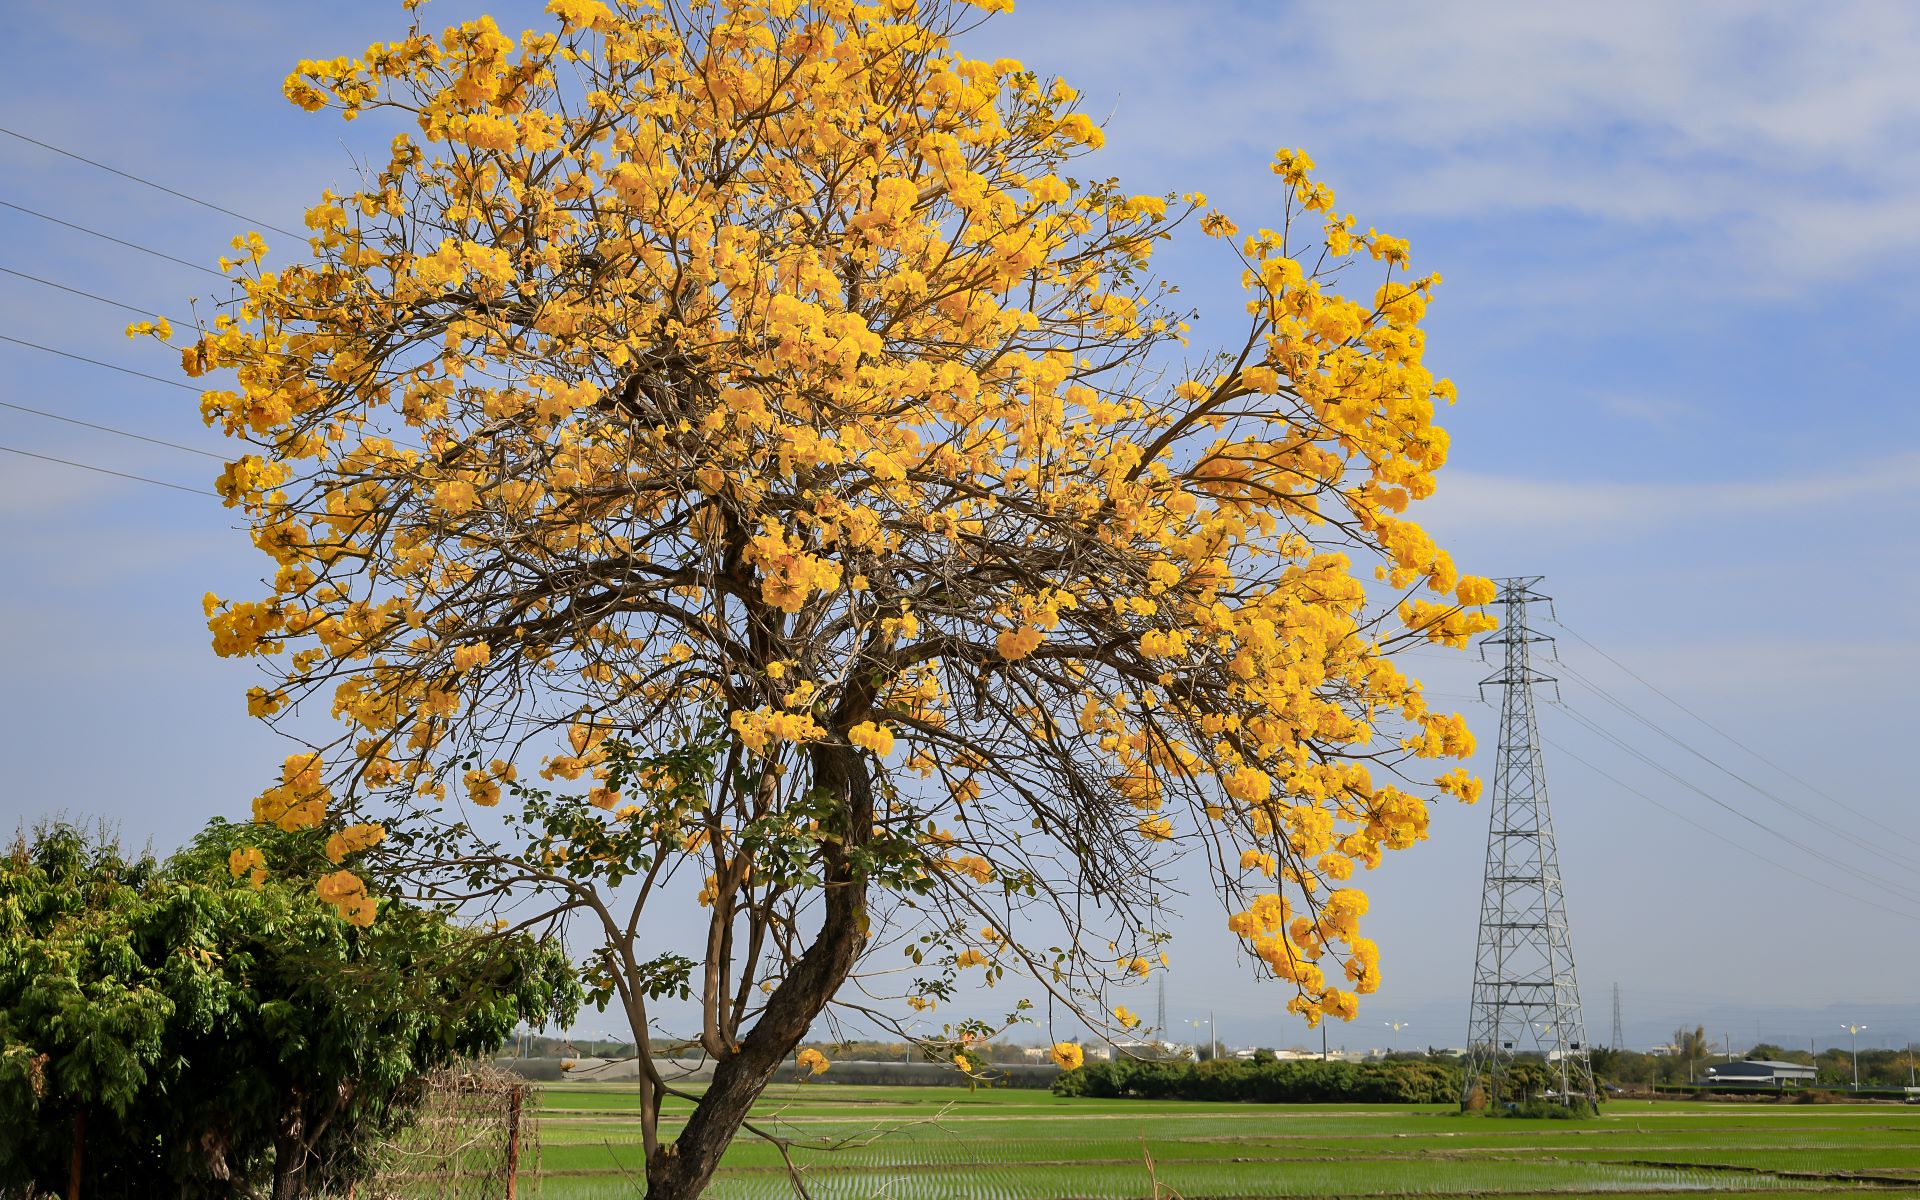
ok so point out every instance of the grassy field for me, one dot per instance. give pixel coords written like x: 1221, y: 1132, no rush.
x: 948, y: 1144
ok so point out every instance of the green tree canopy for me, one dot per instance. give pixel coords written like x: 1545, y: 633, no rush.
x: 220, y: 1033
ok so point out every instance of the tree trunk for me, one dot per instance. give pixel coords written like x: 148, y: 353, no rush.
x: 682, y: 1170
x: 290, y: 1153
x: 75, y: 1164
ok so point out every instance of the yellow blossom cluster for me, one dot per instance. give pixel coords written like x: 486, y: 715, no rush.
x: 1292, y: 945
x: 788, y: 573
x: 250, y: 862
x: 299, y: 801
x: 347, y: 893
x: 353, y: 839
x: 760, y: 728
x: 870, y: 736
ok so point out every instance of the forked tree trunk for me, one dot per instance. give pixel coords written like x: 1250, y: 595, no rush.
x: 682, y: 1169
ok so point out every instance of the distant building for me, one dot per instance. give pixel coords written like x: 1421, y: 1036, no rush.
x: 1774, y: 1074
x: 1154, y: 1051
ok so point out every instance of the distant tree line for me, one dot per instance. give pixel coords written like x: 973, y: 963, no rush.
x: 1692, y: 1051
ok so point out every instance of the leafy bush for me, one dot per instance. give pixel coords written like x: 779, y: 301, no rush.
x: 1301, y: 1082
x: 1540, y: 1108
x: 187, y: 1029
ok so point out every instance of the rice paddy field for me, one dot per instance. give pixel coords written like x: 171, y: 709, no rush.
x: 948, y: 1144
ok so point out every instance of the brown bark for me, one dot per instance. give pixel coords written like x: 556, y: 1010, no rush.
x: 79, y: 1153
x: 290, y: 1152
x: 682, y: 1170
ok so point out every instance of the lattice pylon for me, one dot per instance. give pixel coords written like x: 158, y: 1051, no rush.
x: 1526, y: 997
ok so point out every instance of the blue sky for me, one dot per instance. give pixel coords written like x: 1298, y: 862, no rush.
x: 1677, y: 243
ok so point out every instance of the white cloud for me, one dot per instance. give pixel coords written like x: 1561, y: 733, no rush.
x: 1661, y: 412
x: 1775, y: 137
x: 1484, y: 502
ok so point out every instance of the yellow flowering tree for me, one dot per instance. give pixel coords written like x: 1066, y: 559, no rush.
x: 743, y: 417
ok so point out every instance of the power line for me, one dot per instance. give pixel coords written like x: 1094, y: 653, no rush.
x: 110, y: 429
x: 1721, y: 837
x: 185, y: 387
x: 21, y: 208
x: 1582, y: 680
x: 120, y: 304
x: 1851, y: 869
x: 174, y: 383
x: 67, y: 462
x: 1838, y: 864
x: 148, y: 183
x: 1643, y: 682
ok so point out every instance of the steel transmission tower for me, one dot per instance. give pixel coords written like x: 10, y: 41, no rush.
x: 1525, y: 996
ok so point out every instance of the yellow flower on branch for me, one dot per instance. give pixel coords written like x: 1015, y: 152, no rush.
x: 353, y: 839
x: 347, y: 893
x: 250, y: 862
x: 872, y: 736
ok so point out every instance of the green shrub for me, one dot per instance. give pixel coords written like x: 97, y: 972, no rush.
x: 1539, y: 1108
x: 1300, y: 1082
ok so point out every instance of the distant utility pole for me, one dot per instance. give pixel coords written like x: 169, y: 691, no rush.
x: 1853, y: 1031
x: 1213, y: 1040
x: 1160, y: 1011
x: 1394, y: 1046
x: 1619, y: 1042
x: 1728, y: 1039
x: 1523, y: 976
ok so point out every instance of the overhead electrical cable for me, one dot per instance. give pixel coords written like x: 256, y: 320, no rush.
x: 120, y: 304
x: 14, y: 133
x: 1581, y: 680
x: 175, y: 383
x: 1656, y: 690
x: 202, y: 267
x: 67, y: 462
x: 125, y: 433
x: 1852, y: 870
x: 1723, y: 838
